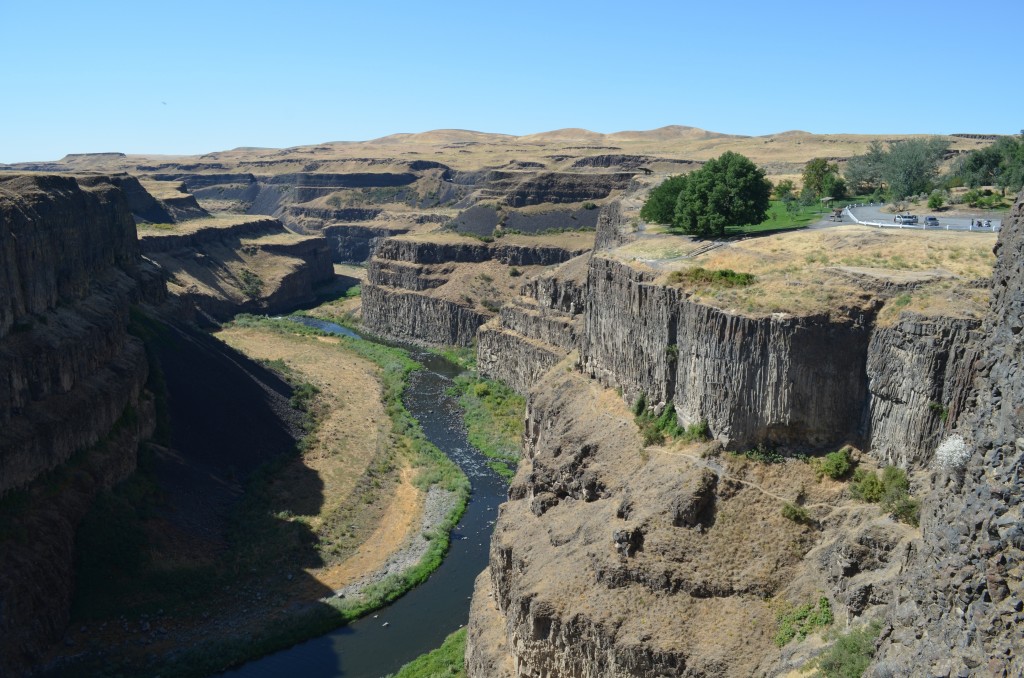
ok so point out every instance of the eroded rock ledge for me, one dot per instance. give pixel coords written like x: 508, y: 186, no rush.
x: 440, y: 288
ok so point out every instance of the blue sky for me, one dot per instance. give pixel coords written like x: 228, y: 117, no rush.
x: 192, y: 77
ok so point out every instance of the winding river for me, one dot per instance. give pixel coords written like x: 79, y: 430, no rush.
x: 418, y: 621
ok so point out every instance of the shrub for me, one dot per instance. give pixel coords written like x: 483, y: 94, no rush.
x: 799, y: 622
x: 936, y: 200
x: 655, y: 429
x: 696, y: 432
x: 835, y: 465
x: 866, y: 486
x: 589, y: 205
x: 514, y: 272
x: 892, y: 491
x: 716, y: 277
x: 850, y: 655
x: 763, y: 455
x: 798, y: 514
x: 640, y: 405
x: 250, y: 283
x: 952, y: 453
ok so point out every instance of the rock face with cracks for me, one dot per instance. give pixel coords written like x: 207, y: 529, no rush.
x: 73, y: 403
x: 960, y: 606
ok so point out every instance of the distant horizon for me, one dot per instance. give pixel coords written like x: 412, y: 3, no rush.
x: 191, y: 77
x: 251, y: 147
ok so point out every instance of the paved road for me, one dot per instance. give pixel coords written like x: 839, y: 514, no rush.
x: 876, y: 214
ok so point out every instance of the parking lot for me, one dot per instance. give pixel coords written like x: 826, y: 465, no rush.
x: 875, y: 215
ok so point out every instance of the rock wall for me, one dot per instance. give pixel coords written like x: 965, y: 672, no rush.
x: 919, y: 372
x: 961, y: 604
x: 68, y: 367
x: 536, y: 331
x: 415, y: 316
x: 778, y: 379
x: 430, y: 252
x: 73, y: 404
x: 785, y: 380
x: 407, y: 294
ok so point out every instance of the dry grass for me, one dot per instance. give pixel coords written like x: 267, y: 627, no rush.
x: 572, y: 240
x: 468, y: 150
x: 816, y: 271
x: 352, y: 436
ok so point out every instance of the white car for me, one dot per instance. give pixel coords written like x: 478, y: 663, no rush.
x: 905, y: 219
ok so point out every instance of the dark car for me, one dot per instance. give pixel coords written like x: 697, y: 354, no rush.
x: 931, y: 222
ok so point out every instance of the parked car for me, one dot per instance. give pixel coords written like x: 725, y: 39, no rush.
x: 931, y: 222
x: 906, y: 219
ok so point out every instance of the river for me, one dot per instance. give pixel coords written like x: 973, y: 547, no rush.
x: 418, y: 621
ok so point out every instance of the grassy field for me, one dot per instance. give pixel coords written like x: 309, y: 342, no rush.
x: 815, y: 271
x: 779, y: 218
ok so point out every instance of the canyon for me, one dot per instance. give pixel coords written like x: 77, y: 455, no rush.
x: 614, y: 555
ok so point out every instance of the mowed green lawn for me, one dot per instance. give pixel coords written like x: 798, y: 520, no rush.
x: 779, y: 218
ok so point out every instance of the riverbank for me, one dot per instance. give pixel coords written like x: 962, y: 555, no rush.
x: 365, y: 508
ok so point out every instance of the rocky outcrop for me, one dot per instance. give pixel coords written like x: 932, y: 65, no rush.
x: 961, y: 608
x: 226, y: 266
x: 557, y: 187
x: 612, y: 227
x: 537, y: 330
x: 413, y: 315
x: 510, y: 254
x: 73, y: 404
x: 919, y: 373
x: 607, y: 561
x: 439, y: 290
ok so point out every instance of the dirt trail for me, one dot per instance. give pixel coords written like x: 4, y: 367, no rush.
x: 720, y: 471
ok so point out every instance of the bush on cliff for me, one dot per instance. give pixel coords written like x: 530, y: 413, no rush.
x: 891, y: 491
x: 850, y: 655
x: 800, y: 621
x: 725, y: 277
x: 835, y: 465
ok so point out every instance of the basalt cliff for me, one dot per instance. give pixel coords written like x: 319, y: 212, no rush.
x: 614, y: 557
x: 78, y: 287
x: 73, y: 398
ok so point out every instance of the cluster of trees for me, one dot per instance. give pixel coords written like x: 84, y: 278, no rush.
x: 1001, y: 165
x: 727, y: 191
x: 905, y: 168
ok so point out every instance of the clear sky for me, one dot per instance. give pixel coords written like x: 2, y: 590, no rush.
x: 191, y: 77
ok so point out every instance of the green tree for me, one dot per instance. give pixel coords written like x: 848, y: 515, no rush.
x: 864, y: 172
x: 784, y: 190
x: 661, y: 203
x: 727, y: 191
x: 911, y: 165
x: 936, y: 200
x: 834, y: 186
x: 1001, y: 164
x: 817, y: 175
